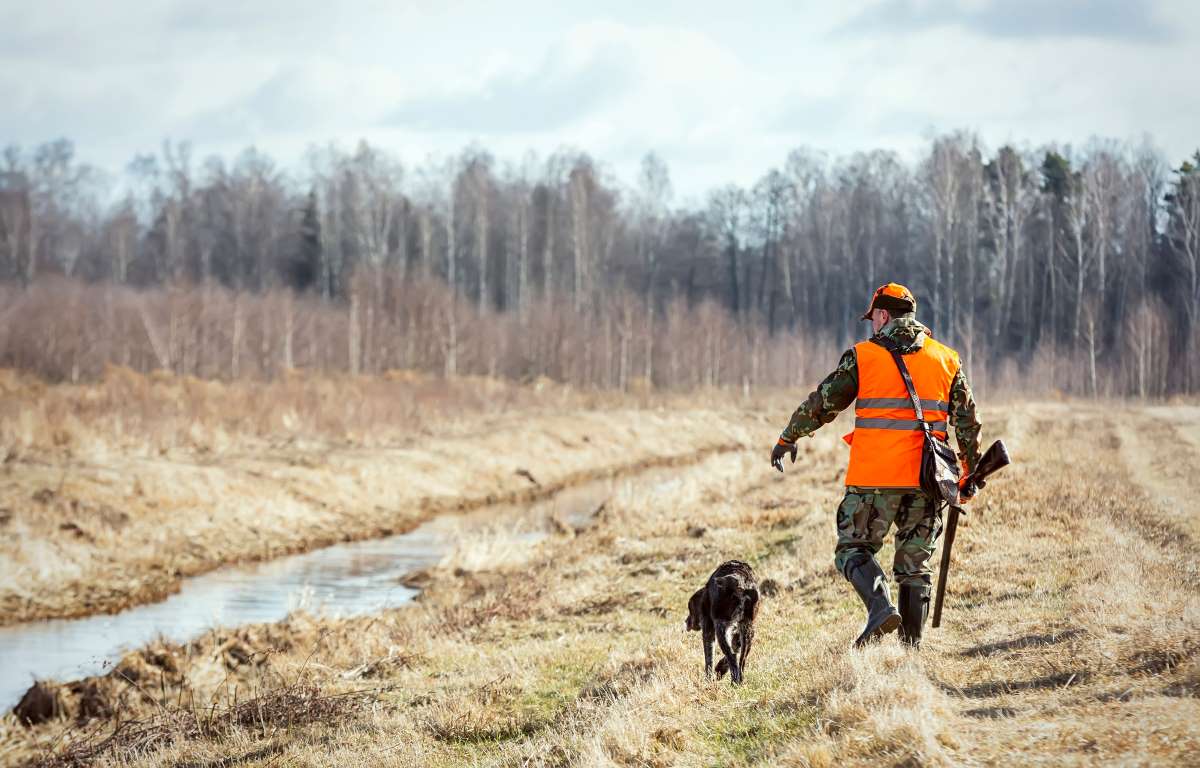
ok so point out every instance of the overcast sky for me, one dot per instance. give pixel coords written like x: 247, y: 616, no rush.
x: 721, y: 90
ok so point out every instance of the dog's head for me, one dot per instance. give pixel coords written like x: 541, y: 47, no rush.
x: 695, y: 611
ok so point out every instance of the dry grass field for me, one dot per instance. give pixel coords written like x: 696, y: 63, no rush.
x: 1070, y: 633
x: 110, y: 493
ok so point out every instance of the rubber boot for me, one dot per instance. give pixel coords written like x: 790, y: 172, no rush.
x: 870, y: 583
x: 914, y: 606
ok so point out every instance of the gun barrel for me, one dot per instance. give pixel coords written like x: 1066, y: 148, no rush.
x: 944, y: 568
x: 993, y: 459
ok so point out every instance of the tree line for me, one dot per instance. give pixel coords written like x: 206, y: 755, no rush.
x: 1072, y: 268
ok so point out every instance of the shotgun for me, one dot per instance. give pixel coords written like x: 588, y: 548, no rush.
x: 994, y: 459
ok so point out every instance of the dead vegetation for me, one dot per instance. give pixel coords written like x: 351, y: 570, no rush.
x: 263, y: 715
x: 1069, y: 638
x: 112, y: 492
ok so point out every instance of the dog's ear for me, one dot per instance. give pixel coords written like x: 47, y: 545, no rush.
x: 751, y: 604
x: 693, y: 618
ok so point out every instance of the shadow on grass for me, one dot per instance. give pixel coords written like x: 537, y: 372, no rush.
x: 975, y: 598
x: 1017, y: 643
x: 225, y: 762
x: 1183, y: 690
x: 504, y: 730
x: 991, y: 713
x: 1001, y: 687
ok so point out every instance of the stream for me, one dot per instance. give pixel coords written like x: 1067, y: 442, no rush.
x: 341, y: 580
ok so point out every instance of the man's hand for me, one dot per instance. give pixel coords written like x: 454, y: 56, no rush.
x: 968, y: 488
x: 780, y: 450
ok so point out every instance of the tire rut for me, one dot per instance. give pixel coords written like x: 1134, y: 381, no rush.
x: 1164, y: 466
x: 1015, y: 667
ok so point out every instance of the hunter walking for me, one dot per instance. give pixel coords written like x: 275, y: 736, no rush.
x: 883, y: 480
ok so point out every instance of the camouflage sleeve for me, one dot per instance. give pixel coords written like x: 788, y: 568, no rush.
x: 830, y: 397
x: 964, y: 420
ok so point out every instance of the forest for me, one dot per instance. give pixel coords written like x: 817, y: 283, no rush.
x: 1050, y: 268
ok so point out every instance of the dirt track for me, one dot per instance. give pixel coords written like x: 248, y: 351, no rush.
x: 1075, y: 632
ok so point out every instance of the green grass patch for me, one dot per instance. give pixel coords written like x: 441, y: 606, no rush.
x: 755, y: 730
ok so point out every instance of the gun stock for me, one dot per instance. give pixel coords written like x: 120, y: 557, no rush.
x: 993, y: 459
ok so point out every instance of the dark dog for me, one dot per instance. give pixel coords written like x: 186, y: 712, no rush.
x: 724, y: 610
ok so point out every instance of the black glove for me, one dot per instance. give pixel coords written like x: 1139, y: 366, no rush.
x: 779, y: 451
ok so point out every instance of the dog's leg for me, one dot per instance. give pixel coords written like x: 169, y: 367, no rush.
x: 735, y: 671
x: 707, y: 635
x: 735, y: 642
x: 747, y: 636
x: 723, y: 662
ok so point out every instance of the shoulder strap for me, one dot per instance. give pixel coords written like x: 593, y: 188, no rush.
x: 890, y: 346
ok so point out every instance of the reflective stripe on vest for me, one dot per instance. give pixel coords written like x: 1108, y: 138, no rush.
x: 901, y: 402
x: 885, y: 447
x: 911, y: 425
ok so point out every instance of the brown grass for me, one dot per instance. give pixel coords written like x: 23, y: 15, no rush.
x: 1068, y: 636
x: 110, y: 493
x: 264, y: 716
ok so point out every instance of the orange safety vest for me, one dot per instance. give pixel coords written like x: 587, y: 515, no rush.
x: 885, y: 447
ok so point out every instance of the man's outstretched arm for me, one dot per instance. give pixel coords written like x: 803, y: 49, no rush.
x: 831, y: 397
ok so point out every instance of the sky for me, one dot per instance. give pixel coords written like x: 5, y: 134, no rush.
x: 721, y: 91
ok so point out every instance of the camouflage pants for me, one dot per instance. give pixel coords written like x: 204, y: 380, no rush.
x: 863, y: 520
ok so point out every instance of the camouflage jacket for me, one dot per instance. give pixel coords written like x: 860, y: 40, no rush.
x: 840, y: 388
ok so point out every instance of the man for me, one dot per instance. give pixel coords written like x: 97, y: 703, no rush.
x: 883, y: 479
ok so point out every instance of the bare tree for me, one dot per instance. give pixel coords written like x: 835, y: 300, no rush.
x: 1008, y: 202
x: 651, y: 213
x: 727, y: 215
x: 943, y: 184
x: 1183, y: 234
x: 610, y: 285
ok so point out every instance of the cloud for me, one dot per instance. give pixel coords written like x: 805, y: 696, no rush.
x: 299, y: 104
x: 828, y: 113
x: 548, y: 98
x: 720, y: 91
x: 287, y: 101
x: 260, y: 26
x: 1128, y: 20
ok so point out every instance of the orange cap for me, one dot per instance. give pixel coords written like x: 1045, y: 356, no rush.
x: 892, y: 297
